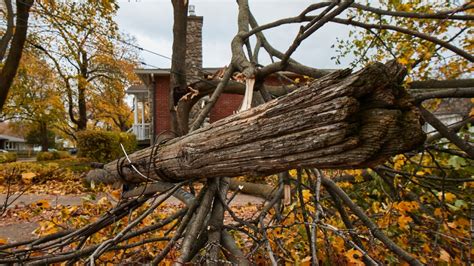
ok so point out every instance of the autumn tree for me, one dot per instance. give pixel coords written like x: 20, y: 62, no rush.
x: 34, y: 100
x: 111, y: 111
x: 408, y: 206
x: 81, y: 49
x: 12, y: 42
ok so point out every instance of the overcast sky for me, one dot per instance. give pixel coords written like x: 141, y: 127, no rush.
x: 150, y: 21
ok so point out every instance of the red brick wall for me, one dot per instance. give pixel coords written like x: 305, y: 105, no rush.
x: 161, y: 118
x: 225, y: 106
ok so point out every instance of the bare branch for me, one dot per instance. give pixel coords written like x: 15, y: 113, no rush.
x: 443, y: 93
x: 330, y: 185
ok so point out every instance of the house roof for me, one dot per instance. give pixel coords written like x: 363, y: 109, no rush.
x: 166, y: 71
x: 137, y: 88
x: 11, y: 138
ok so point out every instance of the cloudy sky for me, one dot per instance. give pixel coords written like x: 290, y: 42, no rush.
x: 150, y: 21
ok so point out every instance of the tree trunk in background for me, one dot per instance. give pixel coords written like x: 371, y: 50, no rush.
x: 8, y: 71
x: 178, y: 86
x: 342, y: 120
x: 44, y: 136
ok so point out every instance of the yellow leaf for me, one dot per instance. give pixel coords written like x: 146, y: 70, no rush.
x: 426, y: 248
x: 305, y: 261
x: 116, y: 194
x: 306, y: 195
x: 406, y: 206
x: 448, y: 196
x: 420, y: 173
x: 292, y: 172
x: 404, y: 220
x: 438, y: 212
x: 103, y: 201
x: 3, y: 241
x: 44, y: 204
x: 27, y: 178
x: 354, y: 256
x: 403, y: 61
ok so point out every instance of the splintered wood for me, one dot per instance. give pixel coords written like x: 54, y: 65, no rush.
x: 342, y: 120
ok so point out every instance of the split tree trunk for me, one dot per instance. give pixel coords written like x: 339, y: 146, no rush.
x: 342, y: 120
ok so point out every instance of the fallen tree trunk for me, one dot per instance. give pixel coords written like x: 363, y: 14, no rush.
x: 342, y: 120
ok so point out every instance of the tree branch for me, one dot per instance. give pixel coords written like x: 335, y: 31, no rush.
x: 446, y: 132
x: 420, y: 35
x: 330, y: 185
x: 9, y: 69
x: 5, y: 40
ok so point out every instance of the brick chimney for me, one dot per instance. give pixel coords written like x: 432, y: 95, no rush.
x: 194, y: 46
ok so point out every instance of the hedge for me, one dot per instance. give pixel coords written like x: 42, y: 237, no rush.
x: 52, y: 155
x: 104, y: 146
x: 6, y: 157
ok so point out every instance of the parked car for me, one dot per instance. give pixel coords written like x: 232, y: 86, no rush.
x: 73, y: 151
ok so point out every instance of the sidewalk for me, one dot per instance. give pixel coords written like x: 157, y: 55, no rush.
x: 21, y: 231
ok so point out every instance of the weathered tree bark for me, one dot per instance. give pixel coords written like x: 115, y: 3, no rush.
x: 9, y: 69
x: 342, y: 120
x: 178, y: 84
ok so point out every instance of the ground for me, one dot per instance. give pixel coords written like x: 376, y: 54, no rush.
x: 30, y: 204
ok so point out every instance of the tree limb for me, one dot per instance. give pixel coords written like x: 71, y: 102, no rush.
x: 446, y: 132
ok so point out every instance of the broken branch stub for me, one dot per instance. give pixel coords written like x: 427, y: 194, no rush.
x: 341, y: 120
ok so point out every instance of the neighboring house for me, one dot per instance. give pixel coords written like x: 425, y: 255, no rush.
x: 450, y: 111
x: 14, y: 144
x: 154, y: 94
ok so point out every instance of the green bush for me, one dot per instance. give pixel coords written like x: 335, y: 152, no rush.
x: 104, y: 146
x: 6, y: 157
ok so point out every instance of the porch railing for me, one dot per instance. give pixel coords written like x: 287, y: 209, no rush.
x: 142, y: 131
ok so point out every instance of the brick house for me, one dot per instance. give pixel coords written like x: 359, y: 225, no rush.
x: 152, y: 97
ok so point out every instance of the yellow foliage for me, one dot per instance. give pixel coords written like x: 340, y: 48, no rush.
x: 438, y: 212
x: 406, y: 206
x: 399, y: 161
x: 292, y: 172
x: 307, y: 195
x: 448, y: 196
x: 404, y: 220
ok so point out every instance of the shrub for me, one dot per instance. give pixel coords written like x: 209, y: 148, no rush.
x: 62, y: 154
x: 25, y: 172
x: 45, y: 156
x: 52, y: 155
x: 104, y: 146
x: 6, y: 157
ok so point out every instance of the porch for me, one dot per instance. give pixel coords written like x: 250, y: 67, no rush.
x: 141, y: 127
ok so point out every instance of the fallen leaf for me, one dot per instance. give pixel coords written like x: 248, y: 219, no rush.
x: 27, y: 178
